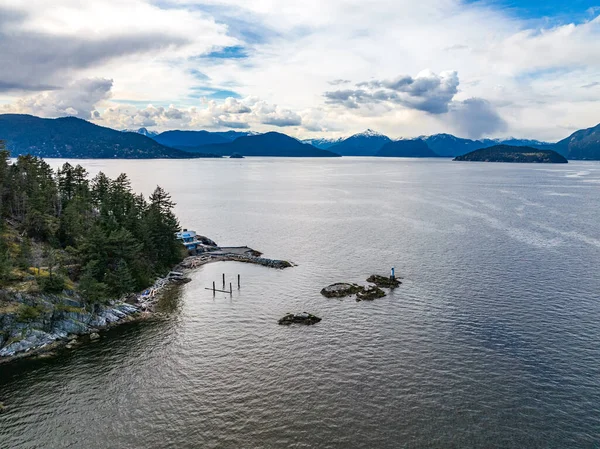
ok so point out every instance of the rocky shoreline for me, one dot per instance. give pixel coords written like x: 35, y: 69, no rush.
x: 37, y: 324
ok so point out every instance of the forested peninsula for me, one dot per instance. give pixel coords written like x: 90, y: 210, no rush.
x: 70, y: 246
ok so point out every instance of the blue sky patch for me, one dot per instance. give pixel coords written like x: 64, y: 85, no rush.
x: 212, y: 93
x: 560, y: 11
x: 235, y: 52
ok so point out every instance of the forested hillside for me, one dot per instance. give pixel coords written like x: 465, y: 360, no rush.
x: 63, y: 231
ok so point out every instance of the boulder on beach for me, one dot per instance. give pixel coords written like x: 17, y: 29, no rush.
x: 383, y: 281
x: 300, y: 318
x: 340, y: 290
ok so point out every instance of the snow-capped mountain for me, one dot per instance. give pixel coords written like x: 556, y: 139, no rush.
x: 143, y: 131
x: 324, y: 143
x: 367, y: 143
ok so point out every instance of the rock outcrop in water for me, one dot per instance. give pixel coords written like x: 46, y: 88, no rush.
x: 384, y: 282
x: 369, y: 293
x: 301, y: 318
x: 234, y: 254
x: 341, y: 290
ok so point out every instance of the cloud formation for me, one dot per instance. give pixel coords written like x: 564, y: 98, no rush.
x: 232, y: 113
x: 182, y: 55
x: 35, y: 61
x: 426, y: 92
x: 476, y: 117
x: 78, y: 99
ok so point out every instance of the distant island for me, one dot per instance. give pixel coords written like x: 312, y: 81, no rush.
x: 508, y: 153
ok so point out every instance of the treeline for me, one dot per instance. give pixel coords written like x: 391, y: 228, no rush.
x: 95, y: 236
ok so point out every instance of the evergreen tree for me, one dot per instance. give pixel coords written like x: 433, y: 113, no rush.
x: 6, y: 263
x: 115, y: 241
x: 119, y: 280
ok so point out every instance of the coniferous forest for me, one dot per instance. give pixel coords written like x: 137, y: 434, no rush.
x: 61, y: 230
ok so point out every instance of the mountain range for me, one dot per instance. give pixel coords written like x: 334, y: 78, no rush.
x: 178, y: 138
x: 582, y: 145
x: 447, y: 145
x: 268, y: 144
x: 367, y: 143
x: 143, y: 131
x: 70, y: 137
x: 406, y: 148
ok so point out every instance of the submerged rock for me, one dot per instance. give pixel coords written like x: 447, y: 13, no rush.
x: 384, y: 282
x: 2, y: 407
x: 341, y: 290
x: 94, y: 336
x: 301, y: 318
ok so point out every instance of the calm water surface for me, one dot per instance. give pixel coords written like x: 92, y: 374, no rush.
x: 492, y: 340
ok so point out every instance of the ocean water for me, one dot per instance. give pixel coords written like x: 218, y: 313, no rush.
x: 492, y: 341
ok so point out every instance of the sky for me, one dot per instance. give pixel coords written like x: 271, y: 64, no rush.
x: 309, y: 68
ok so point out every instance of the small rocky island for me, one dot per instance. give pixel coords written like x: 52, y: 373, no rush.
x: 362, y: 293
x: 300, y: 318
x: 383, y: 281
x: 508, y: 153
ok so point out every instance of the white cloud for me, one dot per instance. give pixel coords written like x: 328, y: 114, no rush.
x: 426, y: 92
x: 296, y: 51
x: 78, y: 99
x: 232, y: 113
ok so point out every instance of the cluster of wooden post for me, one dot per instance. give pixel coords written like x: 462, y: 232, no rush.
x: 214, y: 287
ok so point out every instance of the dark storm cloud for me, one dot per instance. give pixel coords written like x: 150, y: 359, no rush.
x: 427, y: 92
x: 476, y: 118
x: 33, y: 61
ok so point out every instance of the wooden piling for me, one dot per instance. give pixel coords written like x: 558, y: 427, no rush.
x: 214, y: 287
x: 230, y: 289
x: 223, y: 280
x: 238, y: 281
